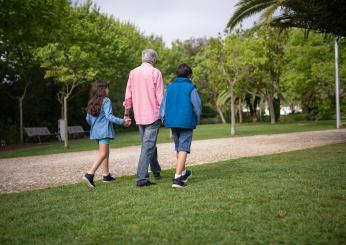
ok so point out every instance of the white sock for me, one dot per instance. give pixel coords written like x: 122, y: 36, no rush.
x: 184, y: 172
x: 177, y: 176
x: 89, y: 172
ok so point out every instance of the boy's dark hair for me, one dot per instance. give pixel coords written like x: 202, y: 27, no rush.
x: 97, y: 94
x: 183, y: 70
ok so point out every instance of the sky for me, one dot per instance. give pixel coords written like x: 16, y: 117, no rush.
x: 174, y: 19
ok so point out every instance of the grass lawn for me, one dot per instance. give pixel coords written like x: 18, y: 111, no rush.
x: 297, y: 197
x: 207, y: 131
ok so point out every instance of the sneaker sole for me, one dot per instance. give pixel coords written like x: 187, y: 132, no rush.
x: 88, y: 182
x: 187, y: 178
x: 178, y: 186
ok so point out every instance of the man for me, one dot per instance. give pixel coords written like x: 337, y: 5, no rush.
x: 144, y: 93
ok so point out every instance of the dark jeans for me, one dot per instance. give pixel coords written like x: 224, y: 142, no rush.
x: 148, y: 150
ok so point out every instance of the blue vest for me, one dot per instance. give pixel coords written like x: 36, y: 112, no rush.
x: 179, y: 109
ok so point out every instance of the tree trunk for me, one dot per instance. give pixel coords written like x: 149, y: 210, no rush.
x: 218, y: 109
x: 21, y: 119
x: 62, y: 109
x: 240, y: 111
x: 277, y: 107
x: 271, y: 108
x: 21, y: 124
x: 223, y: 120
x: 253, y: 109
x: 65, y: 123
x: 232, y: 109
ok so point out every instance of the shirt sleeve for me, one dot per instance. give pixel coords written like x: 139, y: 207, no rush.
x: 162, y: 108
x: 196, y: 102
x: 159, y: 88
x: 107, y: 107
x: 128, y: 95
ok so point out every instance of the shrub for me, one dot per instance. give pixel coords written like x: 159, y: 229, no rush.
x: 291, y: 118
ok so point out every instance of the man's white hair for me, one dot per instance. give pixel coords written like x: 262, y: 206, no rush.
x: 149, y: 55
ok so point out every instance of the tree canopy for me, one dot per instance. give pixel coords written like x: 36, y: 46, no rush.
x: 319, y: 15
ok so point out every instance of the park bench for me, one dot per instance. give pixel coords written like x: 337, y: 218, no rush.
x: 38, y: 132
x: 77, y: 131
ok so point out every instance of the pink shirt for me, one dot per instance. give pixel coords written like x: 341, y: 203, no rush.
x: 144, y: 93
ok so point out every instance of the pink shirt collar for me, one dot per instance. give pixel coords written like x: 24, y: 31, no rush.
x: 147, y: 64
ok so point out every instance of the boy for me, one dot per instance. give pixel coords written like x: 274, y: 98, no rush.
x: 180, y: 110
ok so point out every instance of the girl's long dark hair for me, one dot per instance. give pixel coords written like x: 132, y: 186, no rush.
x: 97, y: 94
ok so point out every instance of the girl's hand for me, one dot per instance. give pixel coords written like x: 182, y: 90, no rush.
x: 127, y: 122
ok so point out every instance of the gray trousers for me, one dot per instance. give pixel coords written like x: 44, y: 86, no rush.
x: 148, y: 155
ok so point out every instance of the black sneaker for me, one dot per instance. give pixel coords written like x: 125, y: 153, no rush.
x: 178, y: 183
x: 89, y: 180
x: 143, y: 183
x: 108, y: 178
x: 157, y: 176
x: 186, y: 176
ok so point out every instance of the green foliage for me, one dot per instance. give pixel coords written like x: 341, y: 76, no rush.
x: 113, y: 48
x: 70, y: 66
x: 322, y: 16
x: 309, y: 73
x: 25, y: 26
x: 179, y: 52
x: 318, y: 15
x: 292, y: 118
x: 75, y: 43
x: 296, y: 197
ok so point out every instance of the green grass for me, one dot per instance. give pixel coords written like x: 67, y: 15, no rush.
x: 202, y: 132
x: 297, y: 197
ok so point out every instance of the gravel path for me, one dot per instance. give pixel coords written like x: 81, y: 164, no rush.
x: 27, y: 173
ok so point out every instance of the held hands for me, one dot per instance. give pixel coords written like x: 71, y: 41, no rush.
x: 127, y: 121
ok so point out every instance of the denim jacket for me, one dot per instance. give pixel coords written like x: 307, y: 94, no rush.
x: 101, y: 127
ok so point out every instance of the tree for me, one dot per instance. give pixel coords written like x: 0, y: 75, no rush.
x: 24, y: 27
x: 106, y: 49
x: 114, y: 47
x: 71, y: 67
x: 274, y: 41
x: 245, y: 60
x: 318, y: 15
x: 309, y: 72
x: 210, y: 77
x: 180, y: 52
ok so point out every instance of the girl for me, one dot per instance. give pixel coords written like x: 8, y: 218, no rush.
x: 100, y: 118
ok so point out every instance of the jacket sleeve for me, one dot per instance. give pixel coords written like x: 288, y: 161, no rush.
x: 196, y: 103
x: 107, y: 107
x: 88, y: 119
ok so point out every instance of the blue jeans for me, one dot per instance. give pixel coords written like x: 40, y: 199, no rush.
x: 148, y: 150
